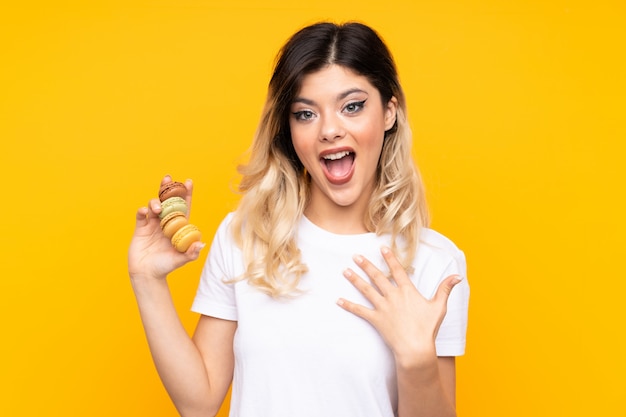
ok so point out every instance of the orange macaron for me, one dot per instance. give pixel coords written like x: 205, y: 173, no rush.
x: 185, y: 236
x: 173, y: 222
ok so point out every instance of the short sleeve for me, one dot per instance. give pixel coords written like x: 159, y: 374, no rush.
x: 438, y: 258
x: 215, y: 297
x: 451, y: 338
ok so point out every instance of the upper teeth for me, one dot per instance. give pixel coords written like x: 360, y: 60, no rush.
x: 337, y: 155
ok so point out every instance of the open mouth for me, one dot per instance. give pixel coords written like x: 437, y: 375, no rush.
x: 338, y: 166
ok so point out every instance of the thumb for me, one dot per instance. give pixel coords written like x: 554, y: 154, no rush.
x: 191, y: 255
x: 445, y: 288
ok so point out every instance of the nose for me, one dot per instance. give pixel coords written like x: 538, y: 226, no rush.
x: 331, y: 128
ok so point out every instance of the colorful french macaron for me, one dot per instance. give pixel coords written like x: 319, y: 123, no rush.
x: 173, y: 215
x: 171, y: 205
x: 173, y: 222
x: 172, y: 189
x: 185, y: 236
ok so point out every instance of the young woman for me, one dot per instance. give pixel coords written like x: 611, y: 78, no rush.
x: 324, y: 293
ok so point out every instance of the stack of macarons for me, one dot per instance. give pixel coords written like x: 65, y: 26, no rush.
x: 173, y: 216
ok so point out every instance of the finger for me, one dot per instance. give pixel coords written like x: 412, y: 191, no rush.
x: 363, y: 287
x: 376, y: 275
x: 395, y: 267
x: 445, y: 288
x: 193, y: 252
x: 155, y: 207
x: 141, y: 217
x: 189, y: 186
x: 166, y: 180
x: 356, y: 309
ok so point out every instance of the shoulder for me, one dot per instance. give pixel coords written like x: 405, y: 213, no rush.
x: 223, y: 235
x: 437, y: 245
x: 437, y: 258
x: 224, y: 229
x: 436, y: 240
x: 227, y: 220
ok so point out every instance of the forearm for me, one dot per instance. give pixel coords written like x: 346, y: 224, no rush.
x: 176, y: 357
x: 421, y: 389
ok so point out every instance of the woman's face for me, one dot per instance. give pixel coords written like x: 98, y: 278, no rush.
x: 338, y: 124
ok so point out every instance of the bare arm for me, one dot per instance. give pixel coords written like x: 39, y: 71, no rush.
x: 428, y: 389
x: 195, y: 372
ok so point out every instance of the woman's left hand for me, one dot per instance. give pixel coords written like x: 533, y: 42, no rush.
x: 406, y: 320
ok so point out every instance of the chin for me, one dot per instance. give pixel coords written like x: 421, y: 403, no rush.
x: 344, y: 201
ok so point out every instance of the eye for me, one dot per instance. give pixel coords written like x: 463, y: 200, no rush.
x: 355, y: 106
x: 303, y: 115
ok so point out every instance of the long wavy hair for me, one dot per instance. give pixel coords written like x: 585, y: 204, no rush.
x: 274, y: 183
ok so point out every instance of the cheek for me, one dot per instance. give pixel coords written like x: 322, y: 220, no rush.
x: 302, y: 151
x: 370, y: 135
x: 302, y: 143
x: 371, y: 146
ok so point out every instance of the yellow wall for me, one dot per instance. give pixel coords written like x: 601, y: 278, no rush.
x: 518, y: 111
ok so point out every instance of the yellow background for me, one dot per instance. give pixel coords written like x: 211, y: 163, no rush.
x: 518, y: 114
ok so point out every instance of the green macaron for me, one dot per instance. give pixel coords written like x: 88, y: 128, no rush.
x: 171, y: 205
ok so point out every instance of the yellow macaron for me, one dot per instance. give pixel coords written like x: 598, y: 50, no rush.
x: 185, y: 236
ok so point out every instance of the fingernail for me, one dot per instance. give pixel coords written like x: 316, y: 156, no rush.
x: 358, y: 259
x: 385, y: 250
x: 167, y: 177
x: 340, y: 302
x: 347, y: 273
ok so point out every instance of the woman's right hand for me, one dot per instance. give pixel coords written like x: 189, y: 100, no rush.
x: 151, y: 254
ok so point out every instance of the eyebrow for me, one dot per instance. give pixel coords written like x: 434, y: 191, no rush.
x: 339, y: 97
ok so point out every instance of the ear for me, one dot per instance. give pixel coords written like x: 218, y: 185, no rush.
x: 391, y: 110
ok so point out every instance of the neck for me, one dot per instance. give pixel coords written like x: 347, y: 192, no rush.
x: 337, y: 219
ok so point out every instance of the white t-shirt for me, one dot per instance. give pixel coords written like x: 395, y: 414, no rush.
x: 307, y: 356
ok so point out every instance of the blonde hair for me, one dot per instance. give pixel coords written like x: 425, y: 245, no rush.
x: 274, y: 184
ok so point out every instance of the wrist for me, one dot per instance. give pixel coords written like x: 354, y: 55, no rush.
x: 139, y: 280
x: 421, y: 357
